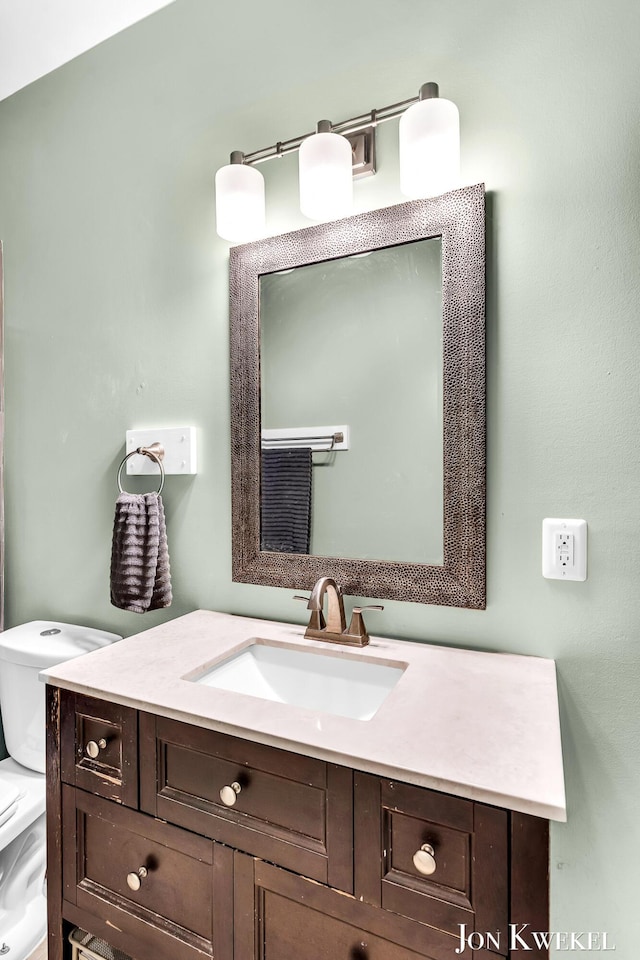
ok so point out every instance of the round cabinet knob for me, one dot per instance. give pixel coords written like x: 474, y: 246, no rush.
x: 424, y: 860
x: 134, y: 880
x: 94, y: 747
x: 229, y: 794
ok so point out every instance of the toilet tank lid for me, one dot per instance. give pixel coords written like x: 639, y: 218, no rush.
x: 43, y: 643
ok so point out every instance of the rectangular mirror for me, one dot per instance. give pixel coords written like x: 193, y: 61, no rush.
x: 374, y: 323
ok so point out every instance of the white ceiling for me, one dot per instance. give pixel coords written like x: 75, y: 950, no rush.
x: 36, y: 36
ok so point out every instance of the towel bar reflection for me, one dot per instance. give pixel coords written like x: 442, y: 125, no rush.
x: 320, y: 439
x: 155, y: 452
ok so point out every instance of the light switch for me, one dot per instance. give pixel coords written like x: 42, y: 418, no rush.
x: 564, y: 549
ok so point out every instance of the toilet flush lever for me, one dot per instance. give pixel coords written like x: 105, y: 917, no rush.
x: 93, y: 747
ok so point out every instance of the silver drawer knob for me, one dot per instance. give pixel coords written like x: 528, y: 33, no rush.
x: 229, y: 794
x: 424, y: 860
x: 134, y: 880
x: 94, y: 747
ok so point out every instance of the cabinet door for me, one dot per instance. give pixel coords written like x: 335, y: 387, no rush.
x: 281, y: 916
x: 465, y: 879
x: 152, y: 890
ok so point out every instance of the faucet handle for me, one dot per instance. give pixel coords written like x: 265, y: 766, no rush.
x: 357, y: 627
x: 316, y: 621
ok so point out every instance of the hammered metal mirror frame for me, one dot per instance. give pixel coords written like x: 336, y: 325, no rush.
x: 458, y: 218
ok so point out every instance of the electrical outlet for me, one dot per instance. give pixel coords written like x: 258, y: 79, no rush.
x: 564, y: 549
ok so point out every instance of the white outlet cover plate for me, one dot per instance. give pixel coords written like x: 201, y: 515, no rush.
x: 179, y: 450
x: 553, y: 566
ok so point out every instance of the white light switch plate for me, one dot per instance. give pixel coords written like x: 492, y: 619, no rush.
x: 179, y: 450
x: 564, y: 549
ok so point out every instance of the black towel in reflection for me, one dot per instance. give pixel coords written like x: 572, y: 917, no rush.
x: 286, y: 500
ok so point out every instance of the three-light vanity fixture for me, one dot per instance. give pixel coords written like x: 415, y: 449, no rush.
x: 336, y: 154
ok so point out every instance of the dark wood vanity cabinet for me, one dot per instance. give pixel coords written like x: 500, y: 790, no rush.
x: 296, y: 858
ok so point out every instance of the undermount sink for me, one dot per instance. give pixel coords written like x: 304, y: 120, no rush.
x: 345, y: 686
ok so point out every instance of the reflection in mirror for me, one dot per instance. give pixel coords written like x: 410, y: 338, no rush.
x: 357, y: 341
x: 322, y: 336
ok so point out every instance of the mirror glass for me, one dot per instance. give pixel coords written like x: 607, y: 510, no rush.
x: 357, y: 341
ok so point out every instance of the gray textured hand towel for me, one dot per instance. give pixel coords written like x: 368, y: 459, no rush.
x: 140, y: 575
x: 286, y: 500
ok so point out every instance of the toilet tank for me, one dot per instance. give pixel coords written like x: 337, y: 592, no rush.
x: 24, y: 652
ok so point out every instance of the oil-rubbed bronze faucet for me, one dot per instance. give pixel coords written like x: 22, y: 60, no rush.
x: 334, y: 630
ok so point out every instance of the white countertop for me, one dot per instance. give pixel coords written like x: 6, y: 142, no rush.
x: 478, y: 725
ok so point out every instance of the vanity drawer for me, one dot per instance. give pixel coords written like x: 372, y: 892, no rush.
x: 292, y: 810
x: 181, y: 907
x: 99, y: 747
x: 469, y: 846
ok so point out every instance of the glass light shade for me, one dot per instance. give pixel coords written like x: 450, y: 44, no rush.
x: 326, y: 180
x: 429, y: 148
x: 240, y: 215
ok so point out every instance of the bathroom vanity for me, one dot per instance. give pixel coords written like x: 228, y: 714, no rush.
x: 188, y: 821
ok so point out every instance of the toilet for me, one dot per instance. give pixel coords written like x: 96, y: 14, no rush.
x: 24, y: 652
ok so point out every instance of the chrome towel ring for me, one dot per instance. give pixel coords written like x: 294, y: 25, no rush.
x: 155, y: 452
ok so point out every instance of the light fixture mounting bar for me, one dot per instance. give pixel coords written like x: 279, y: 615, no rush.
x: 344, y: 127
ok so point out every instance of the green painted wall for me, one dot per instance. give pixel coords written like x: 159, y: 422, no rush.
x: 116, y: 316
